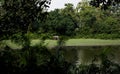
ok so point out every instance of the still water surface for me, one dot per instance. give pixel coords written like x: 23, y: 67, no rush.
x: 85, y: 54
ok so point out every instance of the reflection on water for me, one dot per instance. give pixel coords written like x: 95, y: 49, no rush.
x: 85, y: 54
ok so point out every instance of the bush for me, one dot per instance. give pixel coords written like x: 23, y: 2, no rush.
x: 31, y: 60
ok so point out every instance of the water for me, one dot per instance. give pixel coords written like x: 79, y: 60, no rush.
x: 85, y: 54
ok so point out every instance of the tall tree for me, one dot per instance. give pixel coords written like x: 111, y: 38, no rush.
x: 69, y: 11
x: 59, y: 23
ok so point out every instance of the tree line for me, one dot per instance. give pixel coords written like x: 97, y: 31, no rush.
x: 83, y: 21
x: 87, y: 20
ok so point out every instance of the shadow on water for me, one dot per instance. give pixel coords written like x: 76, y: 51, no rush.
x: 85, y: 54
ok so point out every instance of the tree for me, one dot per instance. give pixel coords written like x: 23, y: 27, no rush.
x: 20, y: 16
x: 69, y: 11
x: 95, y: 21
x: 59, y: 23
x: 87, y: 17
x: 104, y: 3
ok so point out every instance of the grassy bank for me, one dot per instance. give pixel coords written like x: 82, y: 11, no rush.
x: 71, y: 42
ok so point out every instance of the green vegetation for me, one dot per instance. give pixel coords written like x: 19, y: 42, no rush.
x: 91, y: 42
x: 27, y: 29
x: 105, y: 4
x: 83, y: 42
x: 84, y: 21
x: 70, y: 42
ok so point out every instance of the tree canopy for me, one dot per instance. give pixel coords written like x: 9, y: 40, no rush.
x: 21, y: 15
x: 83, y: 20
x: 104, y: 4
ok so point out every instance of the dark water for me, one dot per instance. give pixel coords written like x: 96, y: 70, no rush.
x: 85, y: 54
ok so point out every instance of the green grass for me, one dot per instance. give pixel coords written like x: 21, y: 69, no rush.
x: 12, y: 45
x: 50, y: 43
x: 71, y: 42
x: 91, y: 42
x: 81, y: 42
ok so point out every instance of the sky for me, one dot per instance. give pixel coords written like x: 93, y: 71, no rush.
x: 60, y: 3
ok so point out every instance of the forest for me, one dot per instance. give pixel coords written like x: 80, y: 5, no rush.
x: 25, y: 22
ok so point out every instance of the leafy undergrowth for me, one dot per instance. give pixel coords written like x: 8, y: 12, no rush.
x: 37, y: 59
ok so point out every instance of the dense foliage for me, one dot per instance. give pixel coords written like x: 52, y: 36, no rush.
x: 21, y: 19
x: 59, y: 23
x: 104, y: 4
x: 83, y: 21
x: 21, y: 16
x: 33, y: 61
